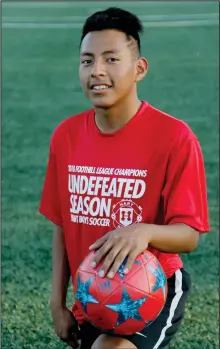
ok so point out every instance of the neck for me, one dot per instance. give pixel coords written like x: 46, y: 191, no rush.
x: 112, y: 119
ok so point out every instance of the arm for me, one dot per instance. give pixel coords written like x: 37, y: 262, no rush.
x: 173, y: 238
x: 60, y: 270
x: 65, y: 324
x: 132, y: 240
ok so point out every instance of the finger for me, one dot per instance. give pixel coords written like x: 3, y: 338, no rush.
x: 99, y: 242
x: 100, y: 254
x: 73, y: 343
x: 70, y: 340
x: 73, y: 340
x: 118, y: 262
x: 75, y: 328
x: 109, y: 260
x: 131, y: 258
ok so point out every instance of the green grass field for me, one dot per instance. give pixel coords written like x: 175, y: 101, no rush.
x: 40, y: 88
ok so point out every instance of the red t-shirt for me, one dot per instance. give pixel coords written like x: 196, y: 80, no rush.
x: 149, y: 171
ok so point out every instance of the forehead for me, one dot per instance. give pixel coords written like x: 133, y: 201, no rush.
x: 105, y: 40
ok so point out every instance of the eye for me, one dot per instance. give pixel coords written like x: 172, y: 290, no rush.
x: 112, y: 59
x: 86, y: 61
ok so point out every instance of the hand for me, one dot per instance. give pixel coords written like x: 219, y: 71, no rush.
x: 66, y: 326
x: 115, y: 246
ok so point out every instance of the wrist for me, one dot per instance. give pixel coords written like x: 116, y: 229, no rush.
x: 56, y: 304
x: 148, y: 231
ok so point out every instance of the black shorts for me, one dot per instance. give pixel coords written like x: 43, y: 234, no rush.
x: 162, y: 330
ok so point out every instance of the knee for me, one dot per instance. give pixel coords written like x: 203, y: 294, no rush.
x: 102, y: 342
x: 105, y: 341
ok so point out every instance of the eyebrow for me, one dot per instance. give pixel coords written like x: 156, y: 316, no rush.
x: 90, y: 54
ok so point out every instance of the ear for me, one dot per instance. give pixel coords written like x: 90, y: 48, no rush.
x: 141, y: 69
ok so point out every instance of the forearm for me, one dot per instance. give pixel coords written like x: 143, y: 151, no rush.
x: 174, y: 238
x: 60, y: 270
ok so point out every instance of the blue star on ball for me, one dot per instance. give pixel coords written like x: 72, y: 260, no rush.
x: 121, y: 268
x: 128, y: 308
x: 160, y: 278
x: 82, y: 293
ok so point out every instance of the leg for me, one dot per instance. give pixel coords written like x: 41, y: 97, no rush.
x: 93, y: 338
x: 105, y: 341
x: 89, y: 334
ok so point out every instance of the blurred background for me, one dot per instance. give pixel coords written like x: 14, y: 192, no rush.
x: 40, y: 88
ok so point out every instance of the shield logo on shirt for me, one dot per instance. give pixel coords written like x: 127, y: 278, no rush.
x: 126, y: 212
x: 126, y: 216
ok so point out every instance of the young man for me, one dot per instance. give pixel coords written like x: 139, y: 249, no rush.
x: 121, y: 178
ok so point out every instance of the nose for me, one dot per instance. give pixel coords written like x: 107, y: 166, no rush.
x: 98, y: 69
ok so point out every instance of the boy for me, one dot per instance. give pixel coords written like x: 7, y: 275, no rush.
x: 121, y: 177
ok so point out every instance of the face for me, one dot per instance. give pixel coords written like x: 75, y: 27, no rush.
x: 109, y: 68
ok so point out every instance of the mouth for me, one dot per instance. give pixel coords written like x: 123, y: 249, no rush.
x: 100, y: 88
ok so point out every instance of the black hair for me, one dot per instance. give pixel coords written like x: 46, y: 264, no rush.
x: 114, y: 18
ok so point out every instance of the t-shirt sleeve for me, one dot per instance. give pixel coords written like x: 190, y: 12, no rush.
x: 50, y: 201
x: 185, y: 192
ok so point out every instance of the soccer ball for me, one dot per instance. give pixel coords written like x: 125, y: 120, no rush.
x: 125, y: 304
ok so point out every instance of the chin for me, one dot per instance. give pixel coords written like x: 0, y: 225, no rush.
x: 101, y: 103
